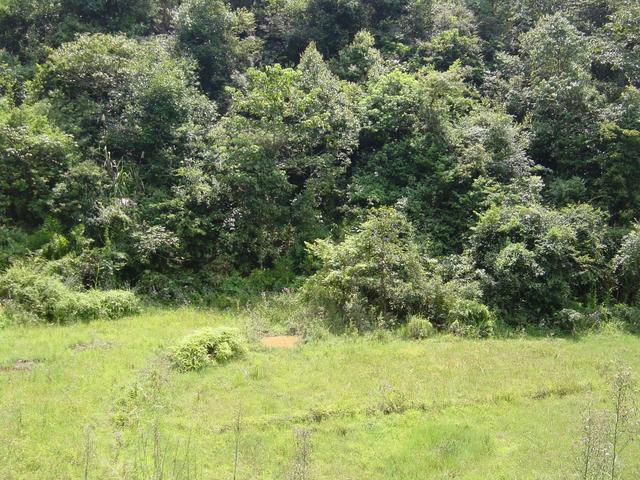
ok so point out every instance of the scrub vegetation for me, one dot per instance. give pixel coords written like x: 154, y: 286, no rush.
x: 319, y: 239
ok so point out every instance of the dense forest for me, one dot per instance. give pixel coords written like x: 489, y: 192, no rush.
x: 474, y: 162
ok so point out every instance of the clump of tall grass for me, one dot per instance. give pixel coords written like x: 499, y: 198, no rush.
x: 285, y: 312
x: 419, y: 328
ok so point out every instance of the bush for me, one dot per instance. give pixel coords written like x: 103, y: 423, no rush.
x: 630, y: 315
x: 31, y: 295
x: 419, y: 328
x: 471, y: 318
x: 374, y: 277
x: 210, y: 345
x: 538, y: 260
x: 570, y: 320
x: 95, y: 304
x: 287, y: 313
x: 626, y: 267
x: 26, y: 288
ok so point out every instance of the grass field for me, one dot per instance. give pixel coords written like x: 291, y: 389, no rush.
x: 98, y: 401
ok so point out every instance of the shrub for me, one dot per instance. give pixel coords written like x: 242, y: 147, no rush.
x: 206, y: 346
x: 419, y: 328
x: 571, y: 320
x: 375, y: 276
x: 32, y: 295
x: 95, y: 304
x: 629, y: 315
x: 286, y: 312
x: 117, y: 303
x: 539, y: 260
x: 626, y: 267
x: 471, y: 318
x: 28, y: 289
x: 143, y: 394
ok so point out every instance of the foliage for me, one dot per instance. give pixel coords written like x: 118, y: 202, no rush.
x: 29, y: 27
x: 429, y: 144
x: 190, y: 149
x: 35, y: 157
x: 538, y: 259
x: 360, y: 60
x: 126, y: 101
x: 471, y: 318
x: 222, y: 40
x: 626, y: 267
x: 419, y: 328
x: 280, y: 153
x: 375, y: 275
x: 206, y: 346
x: 29, y: 293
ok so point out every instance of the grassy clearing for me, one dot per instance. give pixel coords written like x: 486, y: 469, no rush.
x: 100, y: 399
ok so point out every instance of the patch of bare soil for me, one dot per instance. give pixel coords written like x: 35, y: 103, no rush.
x: 93, y: 345
x: 21, y: 366
x: 285, y: 341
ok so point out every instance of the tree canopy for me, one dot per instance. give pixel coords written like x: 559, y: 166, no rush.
x: 181, y: 146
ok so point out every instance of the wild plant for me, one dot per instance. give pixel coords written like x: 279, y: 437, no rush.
x: 301, y: 462
x: 608, y: 432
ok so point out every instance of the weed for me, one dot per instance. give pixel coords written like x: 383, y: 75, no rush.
x: 144, y: 393
x: 392, y: 401
x: 301, y: 462
x: 607, y: 433
x: 236, y: 450
x: 158, y: 459
x: 88, y: 450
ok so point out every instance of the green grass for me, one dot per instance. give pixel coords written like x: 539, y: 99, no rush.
x: 464, y: 409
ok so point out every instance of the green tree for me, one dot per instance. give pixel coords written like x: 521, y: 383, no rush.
x: 622, y: 36
x: 222, y: 40
x: 131, y: 105
x: 626, y: 267
x: 430, y: 144
x: 540, y: 260
x: 34, y: 158
x: 453, y: 38
x: 360, y: 59
x: 613, y: 173
x: 276, y: 163
x: 28, y: 27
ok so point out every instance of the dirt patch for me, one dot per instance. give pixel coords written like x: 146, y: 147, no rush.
x: 286, y: 341
x: 94, y: 345
x: 21, y: 366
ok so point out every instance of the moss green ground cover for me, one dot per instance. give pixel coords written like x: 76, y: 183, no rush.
x: 99, y: 401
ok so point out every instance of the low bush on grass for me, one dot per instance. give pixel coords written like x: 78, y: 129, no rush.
x: 471, y: 318
x: 206, y: 346
x: 31, y: 295
x: 94, y: 304
x: 419, y: 328
x: 629, y: 315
